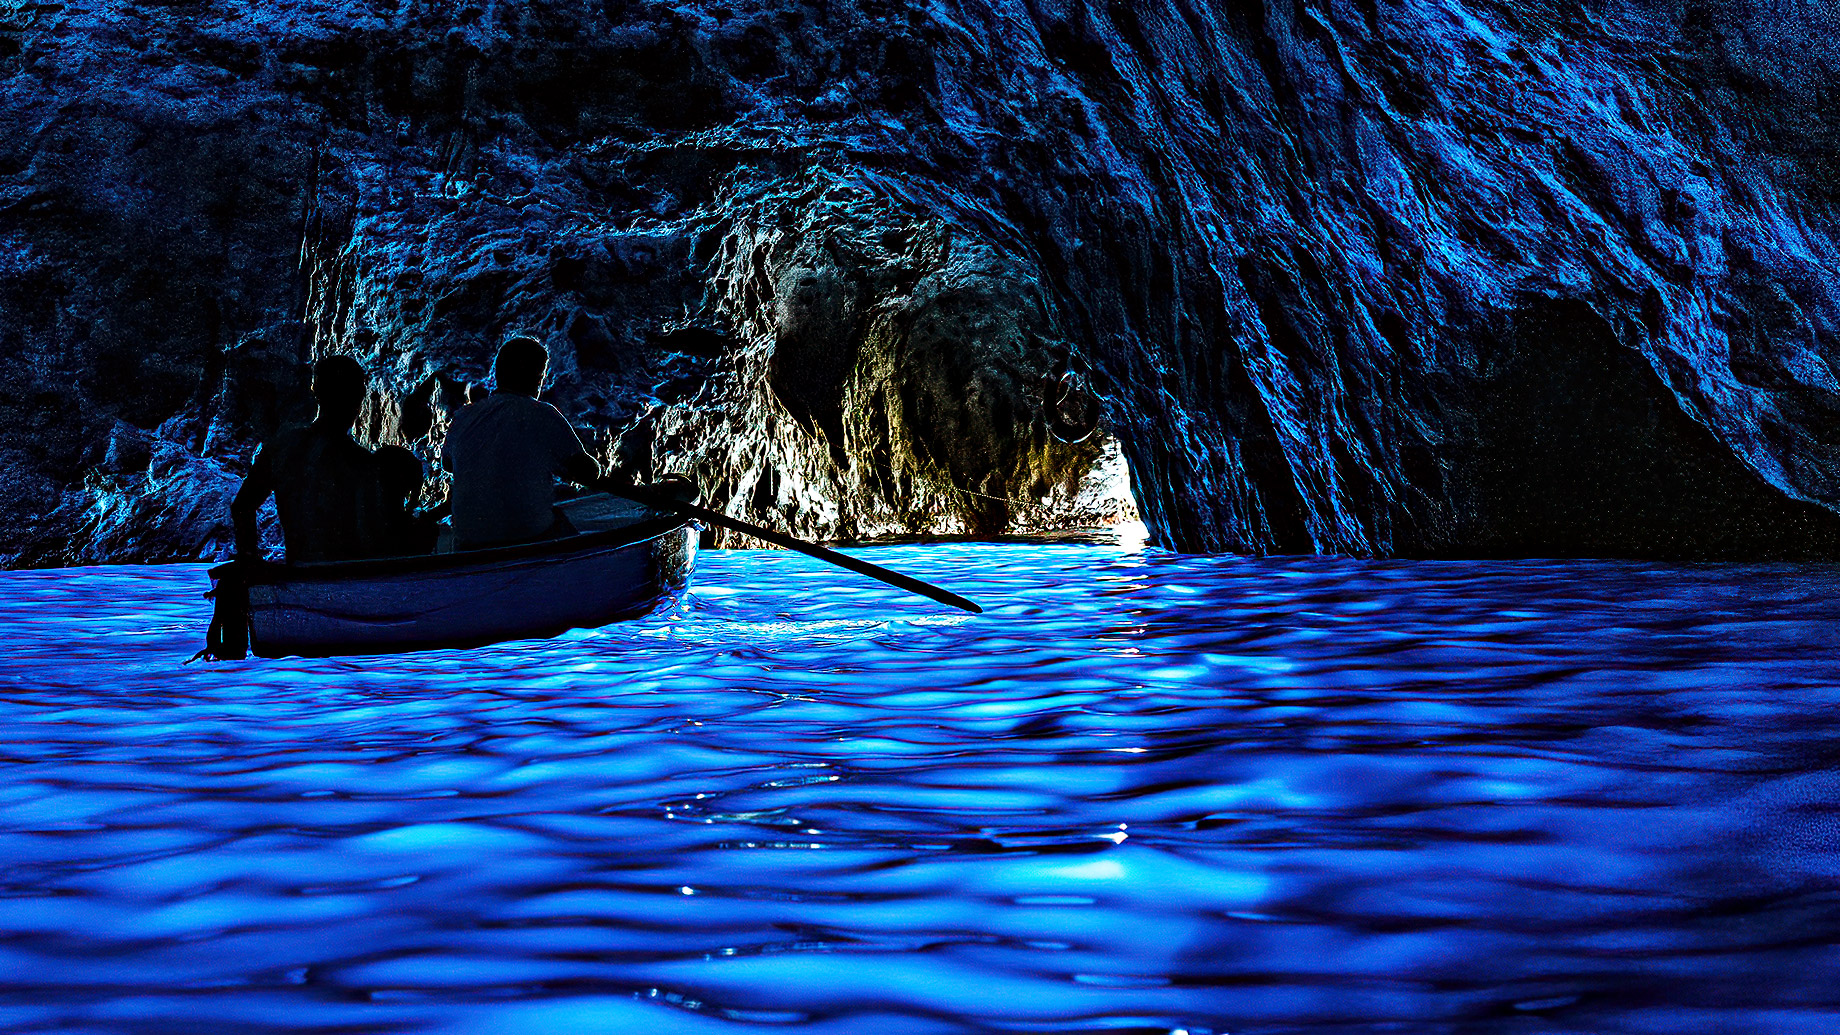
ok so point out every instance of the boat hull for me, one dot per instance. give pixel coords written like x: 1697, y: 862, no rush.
x: 469, y: 599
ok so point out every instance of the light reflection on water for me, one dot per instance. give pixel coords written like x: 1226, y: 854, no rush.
x: 1144, y: 792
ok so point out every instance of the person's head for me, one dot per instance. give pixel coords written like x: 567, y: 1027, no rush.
x: 338, y: 387
x: 400, y: 473
x: 521, y: 364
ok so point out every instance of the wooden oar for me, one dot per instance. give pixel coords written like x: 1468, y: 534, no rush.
x: 660, y: 501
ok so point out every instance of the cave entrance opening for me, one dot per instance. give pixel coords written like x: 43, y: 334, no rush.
x: 1098, y: 500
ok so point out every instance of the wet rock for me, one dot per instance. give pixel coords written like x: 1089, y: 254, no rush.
x: 1456, y: 278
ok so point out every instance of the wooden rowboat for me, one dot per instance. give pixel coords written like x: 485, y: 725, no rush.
x: 621, y: 567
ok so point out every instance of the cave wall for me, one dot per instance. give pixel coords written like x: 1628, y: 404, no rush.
x: 1338, y: 276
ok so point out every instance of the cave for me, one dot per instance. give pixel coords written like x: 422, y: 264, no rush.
x: 1291, y: 252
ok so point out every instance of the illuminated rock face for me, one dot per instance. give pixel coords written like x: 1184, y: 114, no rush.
x: 1436, y: 278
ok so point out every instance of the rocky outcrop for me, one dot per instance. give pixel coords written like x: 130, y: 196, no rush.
x: 1435, y: 278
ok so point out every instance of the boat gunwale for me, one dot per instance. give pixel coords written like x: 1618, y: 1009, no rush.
x: 268, y: 573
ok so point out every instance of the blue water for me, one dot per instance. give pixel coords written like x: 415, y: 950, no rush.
x: 1144, y: 792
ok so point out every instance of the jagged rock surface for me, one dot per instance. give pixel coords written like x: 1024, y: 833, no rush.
x: 1424, y: 278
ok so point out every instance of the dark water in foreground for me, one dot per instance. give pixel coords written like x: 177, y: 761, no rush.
x: 1144, y: 793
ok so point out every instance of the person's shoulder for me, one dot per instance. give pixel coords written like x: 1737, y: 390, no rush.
x: 336, y: 445
x: 285, y: 440
x: 501, y: 402
x: 472, y: 412
x: 524, y: 409
x: 547, y: 420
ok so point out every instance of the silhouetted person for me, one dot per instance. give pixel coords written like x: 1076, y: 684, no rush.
x: 506, y: 452
x: 324, y: 483
x: 403, y: 531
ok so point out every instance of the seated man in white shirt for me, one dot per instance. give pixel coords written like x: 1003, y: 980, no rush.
x: 506, y: 451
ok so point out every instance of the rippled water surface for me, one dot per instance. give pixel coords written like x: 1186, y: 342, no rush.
x: 1144, y: 792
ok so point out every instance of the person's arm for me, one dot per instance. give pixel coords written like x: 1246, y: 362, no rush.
x: 568, y: 458
x: 581, y: 469
x: 243, y: 509
x: 457, y: 430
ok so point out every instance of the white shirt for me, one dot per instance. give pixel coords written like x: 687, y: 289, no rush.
x: 505, y: 452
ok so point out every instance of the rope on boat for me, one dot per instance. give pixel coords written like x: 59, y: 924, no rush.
x: 936, y: 483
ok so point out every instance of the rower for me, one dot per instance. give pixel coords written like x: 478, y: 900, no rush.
x: 324, y: 482
x: 506, y: 452
x: 403, y: 529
